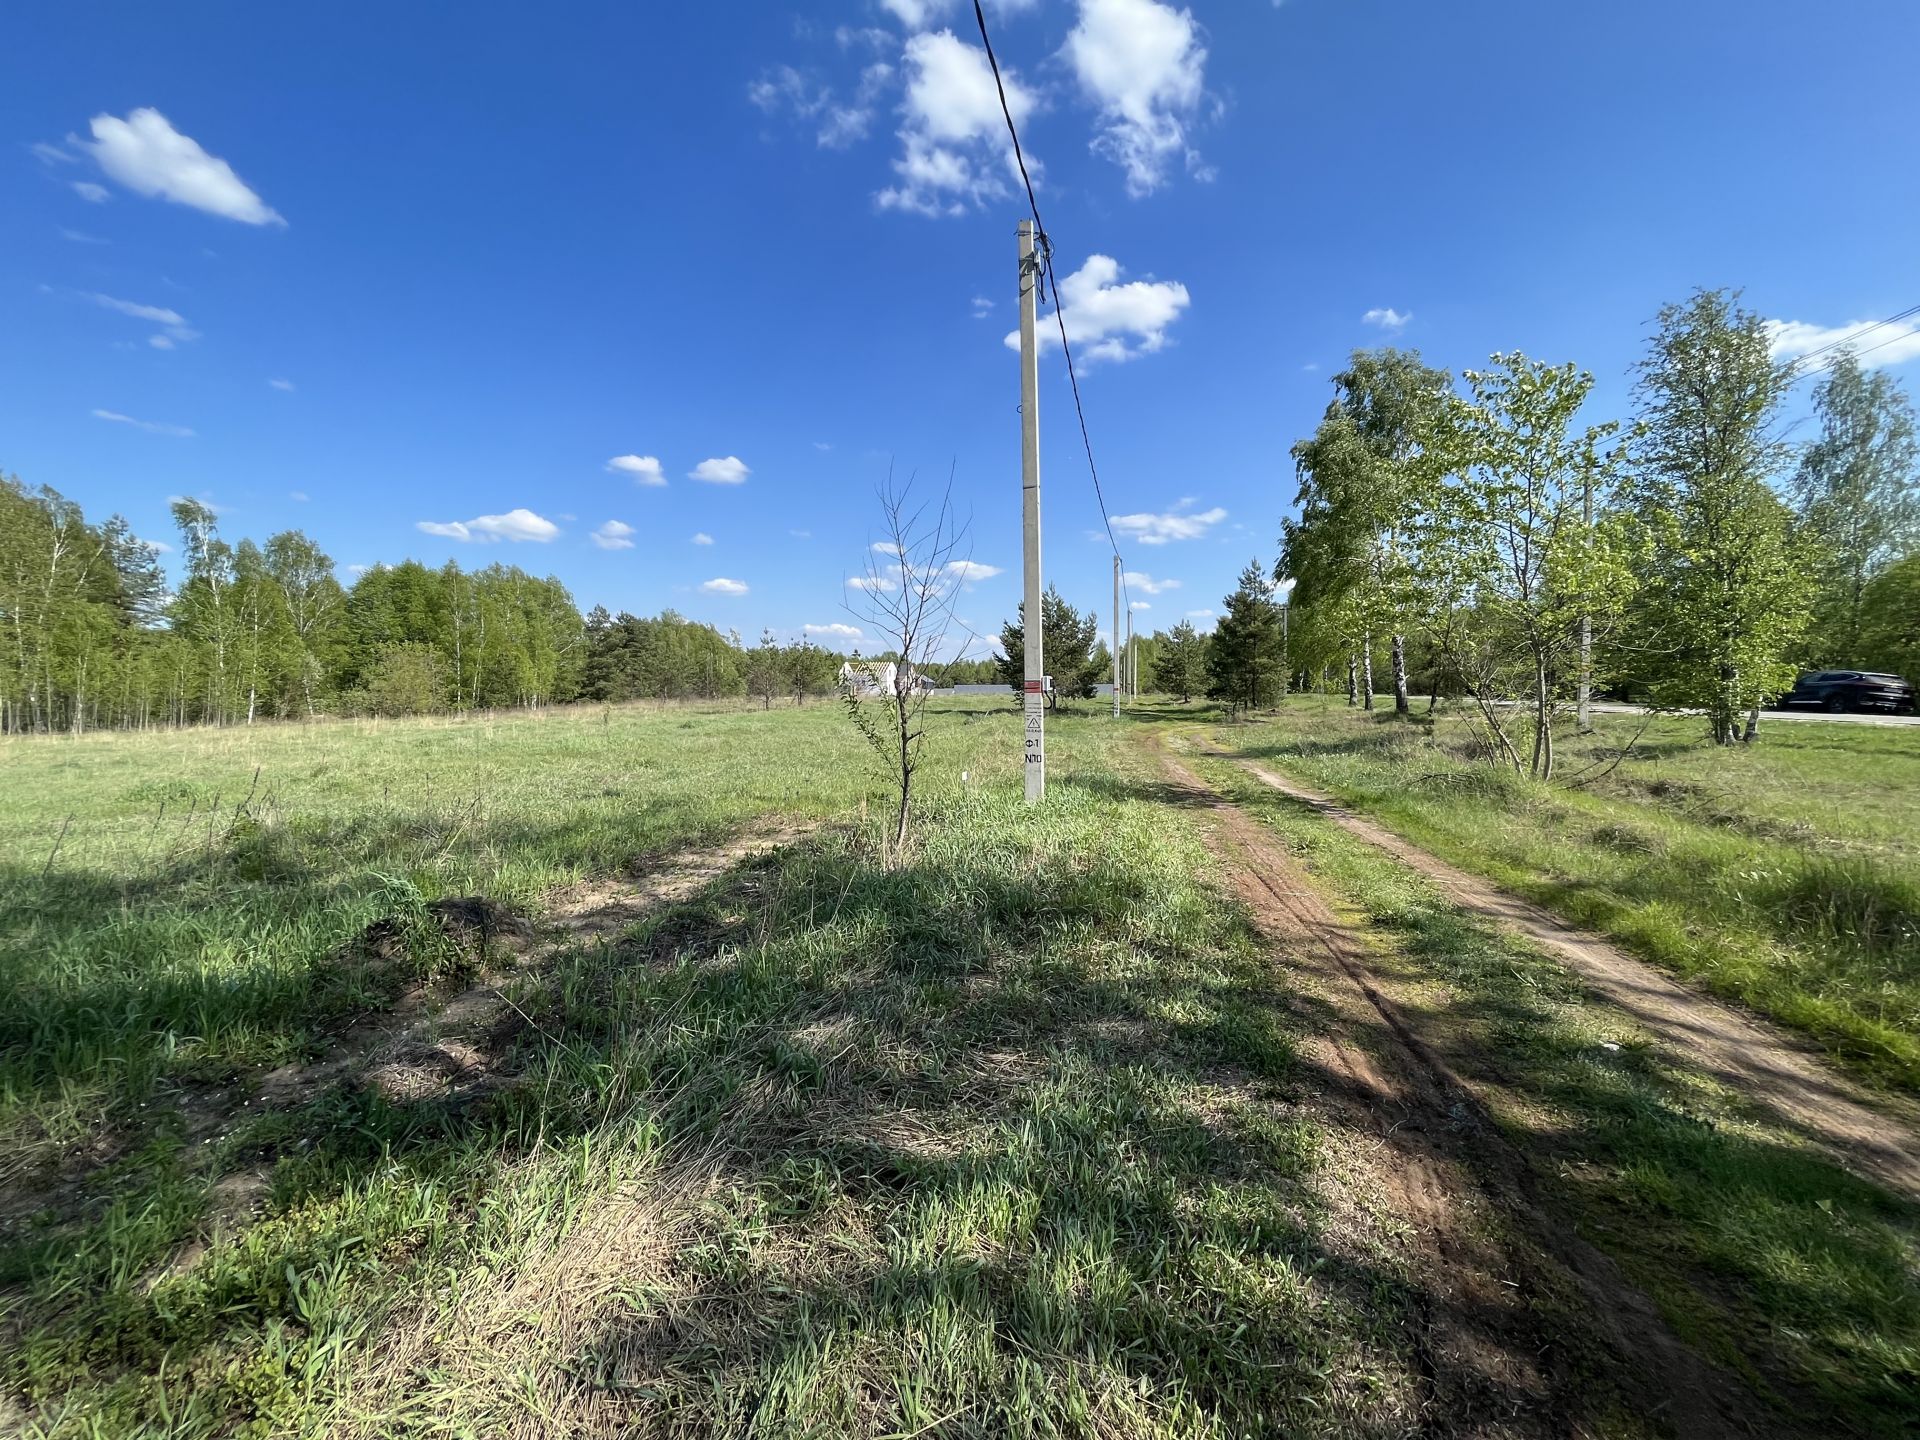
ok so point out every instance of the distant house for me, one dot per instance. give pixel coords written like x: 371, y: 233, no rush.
x: 878, y: 677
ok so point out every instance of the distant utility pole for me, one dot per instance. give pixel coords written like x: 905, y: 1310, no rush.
x: 1116, y: 637
x: 1033, y: 702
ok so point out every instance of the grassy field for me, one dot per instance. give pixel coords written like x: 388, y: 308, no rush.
x: 1788, y: 1271
x: 1011, y: 1137
x: 997, y: 1141
x: 1786, y: 876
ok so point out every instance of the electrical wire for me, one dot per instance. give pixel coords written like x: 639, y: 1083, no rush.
x: 1801, y: 368
x: 1830, y: 364
x: 1045, y: 249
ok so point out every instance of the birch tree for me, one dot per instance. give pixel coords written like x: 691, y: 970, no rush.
x: 1729, y: 575
x: 1509, y: 550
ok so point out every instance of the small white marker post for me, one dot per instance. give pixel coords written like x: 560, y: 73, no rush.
x: 1033, y: 700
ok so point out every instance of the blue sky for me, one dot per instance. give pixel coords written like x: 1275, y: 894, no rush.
x: 416, y: 279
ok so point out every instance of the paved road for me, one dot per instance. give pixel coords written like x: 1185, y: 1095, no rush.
x: 1767, y: 717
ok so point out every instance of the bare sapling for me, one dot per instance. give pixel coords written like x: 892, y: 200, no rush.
x: 906, y: 598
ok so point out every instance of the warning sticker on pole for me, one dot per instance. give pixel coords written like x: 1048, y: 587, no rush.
x: 1035, y: 748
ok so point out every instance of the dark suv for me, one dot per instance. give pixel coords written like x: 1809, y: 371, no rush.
x: 1837, y: 690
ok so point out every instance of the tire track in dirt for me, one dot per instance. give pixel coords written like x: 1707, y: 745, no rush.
x: 1498, y: 1364
x: 1875, y: 1137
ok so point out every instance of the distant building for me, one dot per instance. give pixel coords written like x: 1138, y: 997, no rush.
x: 878, y: 677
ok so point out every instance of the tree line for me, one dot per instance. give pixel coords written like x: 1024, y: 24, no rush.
x: 1491, y: 544
x: 92, y: 636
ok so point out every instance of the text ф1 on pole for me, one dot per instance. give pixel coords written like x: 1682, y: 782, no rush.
x: 1033, y: 702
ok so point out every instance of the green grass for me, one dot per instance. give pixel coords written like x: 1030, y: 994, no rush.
x: 1005, y: 1139
x: 1789, y: 1271
x: 1786, y: 876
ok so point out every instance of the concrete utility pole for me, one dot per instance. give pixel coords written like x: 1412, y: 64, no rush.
x: 1133, y: 680
x: 1116, y: 637
x: 1033, y: 702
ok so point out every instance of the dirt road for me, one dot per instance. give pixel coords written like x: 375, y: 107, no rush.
x: 1873, y: 1136
x: 1518, y: 1306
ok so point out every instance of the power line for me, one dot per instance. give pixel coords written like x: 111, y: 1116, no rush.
x: 1053, y: 283
x: 1846, y: 341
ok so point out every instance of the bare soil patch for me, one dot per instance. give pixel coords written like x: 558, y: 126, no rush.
x: 1525, y: 1320
x: 1874, y: 1136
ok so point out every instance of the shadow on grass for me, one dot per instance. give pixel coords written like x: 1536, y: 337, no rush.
x: 1016, y: 1138
x: 1781, y: 1264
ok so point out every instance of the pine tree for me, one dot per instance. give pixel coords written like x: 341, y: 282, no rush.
x: 1244, y: 658
x: 1068, y: 645
x: 1180, y: 666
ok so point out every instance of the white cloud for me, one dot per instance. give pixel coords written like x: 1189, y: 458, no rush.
x: 720, y: 585
x: 644, y: 469
x: 52, y: 154
x: 1143, y: 64
x: 1108, y: 320
x: 823, y: 445
x: 886, y: 547
x: 982, y: 307
x: 836, y: 630
x: 702, y: 538
x: 1386, y: 317
x: 1139, y: 605
x: 358, y: 570
x: 281, y: 384
x: 516, y: 525
x: 147, y: 155
x: 613, y: 535
x: 954, y: 150
x: 969, y: 571
x: 836, y: 122
x: 1146, y: 584
x: 1176, y: 524
x: 93, y: 194
x: 152, y: 427
x: 80, y: 237
x: 727, y: 470
x: 158, y: 547
x: 158, y: 314
x: 177, y: 327
x: 878, y: 584
x: 300, y: 496
x: 801, y: 534
x: 913, y: 13
x: 1890, y: 344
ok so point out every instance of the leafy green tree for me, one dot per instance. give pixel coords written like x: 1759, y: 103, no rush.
x: 313, y: 609
x: 1858, y: 489
x: 1068, y: 642
x: 405, y: 680
x: 1890, y: 619
x: 810, y: 670
x: 203, y: 610
x: 1244, y: 658
x: 1180, y: 665
x: 1728, y: 577
x: 1362, y: 476
x: 1512, y: 542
